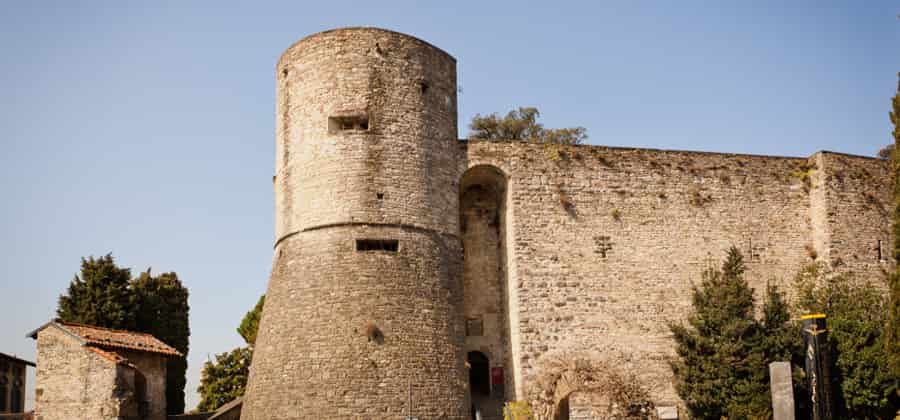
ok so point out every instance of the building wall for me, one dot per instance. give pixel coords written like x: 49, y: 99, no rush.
x: 857, y: 202
x: 72, y: 382
x: 153, y: 368
x: 607, y: 243
x: 12, y: 385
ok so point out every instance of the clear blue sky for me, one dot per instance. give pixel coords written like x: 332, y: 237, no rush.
x: 146, y: 130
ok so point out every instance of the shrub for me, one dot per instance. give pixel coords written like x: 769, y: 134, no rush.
x: 856, y: 312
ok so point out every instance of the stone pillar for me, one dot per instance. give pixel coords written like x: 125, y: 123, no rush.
x: 782, y: 390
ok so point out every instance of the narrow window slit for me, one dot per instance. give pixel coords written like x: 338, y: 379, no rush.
x: 348, y: 123
x: 389, y: 245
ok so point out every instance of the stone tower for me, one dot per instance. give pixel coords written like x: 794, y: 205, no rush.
x: 362, y: 309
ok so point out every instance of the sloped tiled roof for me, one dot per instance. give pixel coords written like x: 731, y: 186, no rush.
x: 120, y: 339
x: 110, y: 339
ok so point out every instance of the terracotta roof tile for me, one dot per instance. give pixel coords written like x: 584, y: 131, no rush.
x: 119, y: 339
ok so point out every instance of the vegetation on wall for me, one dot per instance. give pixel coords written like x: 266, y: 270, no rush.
x: 105, y: 295
x: 521, y: 125
x: 723, y: 351
x: 225, y: 379
x: 560, y: 376
x: 517, y: 410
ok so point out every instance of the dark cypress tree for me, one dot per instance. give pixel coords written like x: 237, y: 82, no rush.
x: 99, y: 296
x: 105, y: 295
x: 721, y: 371
x: 782, y: 342
x: 161, y: 309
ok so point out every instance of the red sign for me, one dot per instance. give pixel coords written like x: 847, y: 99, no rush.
x: 497, y: 376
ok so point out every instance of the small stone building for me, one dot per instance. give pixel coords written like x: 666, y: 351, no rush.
x: 86, y: 372
x: 12, y: 384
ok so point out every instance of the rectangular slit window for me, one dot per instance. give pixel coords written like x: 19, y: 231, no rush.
x: 389, y: 245
x: 880, y: 250
x: 348, y: 123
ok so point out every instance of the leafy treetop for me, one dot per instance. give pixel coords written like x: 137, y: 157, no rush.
x: 522, y: 125
x: 105, y: 295
x: 250, y: 324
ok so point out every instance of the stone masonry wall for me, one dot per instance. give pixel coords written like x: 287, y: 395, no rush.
x: 857, y: 212
x: 360, y: 334
x: 366, y: 149
x: 582, y: 249
x: 608, y: 242
x: 153, y: 368
x: 72, y: 382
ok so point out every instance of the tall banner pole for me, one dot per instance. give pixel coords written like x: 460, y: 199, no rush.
x: 815, y: 337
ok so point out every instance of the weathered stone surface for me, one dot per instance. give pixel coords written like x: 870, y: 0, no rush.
x: 74, y: 381
x: 367, y: 334
x: 542, y: 249
x: 782, y: 390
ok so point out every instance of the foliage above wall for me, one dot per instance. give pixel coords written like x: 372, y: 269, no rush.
x: 522, y: 125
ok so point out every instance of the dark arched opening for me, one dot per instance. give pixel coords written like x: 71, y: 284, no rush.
x: 479, y: 374
x: 562, y: 412
x: 486, y: 291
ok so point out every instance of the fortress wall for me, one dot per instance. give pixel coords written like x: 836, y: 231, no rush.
x: 607, y: 242
x: 857, y: 214
x: 350, y: 339
x: 363, y: 308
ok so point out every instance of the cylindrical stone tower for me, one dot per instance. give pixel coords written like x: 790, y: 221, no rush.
x: 362, y: 315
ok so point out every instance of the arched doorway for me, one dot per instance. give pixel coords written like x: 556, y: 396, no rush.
x: 479, y: 384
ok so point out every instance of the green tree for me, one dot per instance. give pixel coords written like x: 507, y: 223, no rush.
x: 99, y: 296
x: 162, y: 309
x: 105, y: 295
x: 864, y: 389
x: 892, y: 330
x: 250, y: 324
x: 522, y: 125
x: 226, y: 379
x: 722, y: 354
